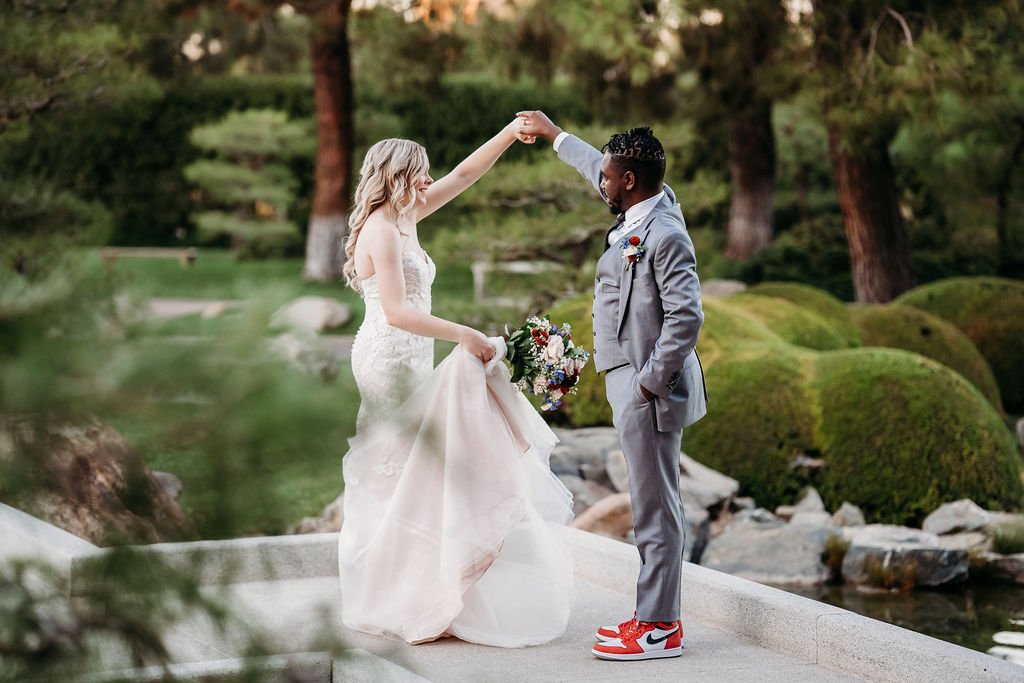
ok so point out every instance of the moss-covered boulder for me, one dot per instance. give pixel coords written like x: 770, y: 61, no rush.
x: 899, y: 433
x: 727, y: 329
x: 990, y: 311
x: 760, y: 416
x: 792, y: 322
x: 911, y: 329
x: 820, y: 302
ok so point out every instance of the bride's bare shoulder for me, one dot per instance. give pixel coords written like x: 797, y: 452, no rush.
x: 379, y: 230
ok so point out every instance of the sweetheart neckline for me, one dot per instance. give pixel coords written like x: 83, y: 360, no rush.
x: 422, y: 252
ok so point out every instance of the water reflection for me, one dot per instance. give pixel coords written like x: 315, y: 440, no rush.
x: 985, y: 618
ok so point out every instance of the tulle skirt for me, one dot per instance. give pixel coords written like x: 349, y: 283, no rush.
x: 449, y: 513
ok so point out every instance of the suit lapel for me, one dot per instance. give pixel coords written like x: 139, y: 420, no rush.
x: 626, y: 281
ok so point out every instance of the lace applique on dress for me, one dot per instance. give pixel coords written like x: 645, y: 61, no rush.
x: 388, y: 363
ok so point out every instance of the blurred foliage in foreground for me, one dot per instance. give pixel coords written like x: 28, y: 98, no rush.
x: 246, y: 428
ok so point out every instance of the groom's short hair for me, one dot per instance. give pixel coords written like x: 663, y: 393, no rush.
x: 640, y: 152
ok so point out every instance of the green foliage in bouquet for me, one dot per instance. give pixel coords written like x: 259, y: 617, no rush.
x: 520, y: 356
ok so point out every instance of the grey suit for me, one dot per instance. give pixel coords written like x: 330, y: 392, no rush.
x: 646, y: 323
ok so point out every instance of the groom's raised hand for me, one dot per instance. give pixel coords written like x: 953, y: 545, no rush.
x: 536, y: 122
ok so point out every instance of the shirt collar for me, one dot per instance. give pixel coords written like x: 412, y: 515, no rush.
x: 636, y: 213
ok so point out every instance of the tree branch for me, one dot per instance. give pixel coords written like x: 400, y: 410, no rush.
x: 903, y: 23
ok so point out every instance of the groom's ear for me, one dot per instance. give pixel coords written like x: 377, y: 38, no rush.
x: 629, y: 180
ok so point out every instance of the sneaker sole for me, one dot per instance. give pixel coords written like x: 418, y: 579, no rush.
x: 653, y: 654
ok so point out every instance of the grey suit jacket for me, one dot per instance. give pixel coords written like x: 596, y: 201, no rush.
x: 659, y: 316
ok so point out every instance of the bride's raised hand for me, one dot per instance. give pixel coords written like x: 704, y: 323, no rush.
x: 518, y: 129
x: 477, y: 344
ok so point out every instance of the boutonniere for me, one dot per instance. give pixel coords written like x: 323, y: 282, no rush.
x: 632, y: 250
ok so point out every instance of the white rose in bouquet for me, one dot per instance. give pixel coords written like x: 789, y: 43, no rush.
x: 554, y: 350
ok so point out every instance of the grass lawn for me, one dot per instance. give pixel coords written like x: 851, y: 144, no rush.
x: 240, y: 490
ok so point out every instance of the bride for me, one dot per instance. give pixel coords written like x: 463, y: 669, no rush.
x: 449, y: 500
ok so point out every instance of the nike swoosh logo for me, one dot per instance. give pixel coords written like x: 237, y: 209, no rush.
x: 655, y: 641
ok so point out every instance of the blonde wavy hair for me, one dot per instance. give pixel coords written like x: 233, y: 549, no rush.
x: 389, y: 172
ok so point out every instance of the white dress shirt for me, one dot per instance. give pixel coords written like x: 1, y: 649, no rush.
x: 635, y: 214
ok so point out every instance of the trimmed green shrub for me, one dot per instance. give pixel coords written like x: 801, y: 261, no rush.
x: 588, y: 407
x: 911, y: 329
x: 728, y: 329
x: 793, y: 323
x: 819, y: 301
x: 990, y: 311
x: 900, y: 434
x: 903, y: 434
x: 760, y: 416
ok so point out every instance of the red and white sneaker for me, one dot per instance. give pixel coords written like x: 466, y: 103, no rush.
x: 612, y: 632
x: 643, y: 640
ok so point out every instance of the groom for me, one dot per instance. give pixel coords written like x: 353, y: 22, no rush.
x: 647, y: 316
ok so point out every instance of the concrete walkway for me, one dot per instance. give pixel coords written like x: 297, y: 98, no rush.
x: 286, y: 588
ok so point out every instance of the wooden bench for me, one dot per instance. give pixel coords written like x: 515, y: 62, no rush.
x: 186, y: 257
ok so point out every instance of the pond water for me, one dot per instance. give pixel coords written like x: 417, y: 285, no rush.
x: 985, y: 618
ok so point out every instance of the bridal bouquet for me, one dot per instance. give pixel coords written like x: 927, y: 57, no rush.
x: 544, y: 360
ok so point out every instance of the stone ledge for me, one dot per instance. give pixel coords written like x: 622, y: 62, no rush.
x: 28, y: 538
x: 810, y: 630
x: 355, y: 666
x: 241, y: 560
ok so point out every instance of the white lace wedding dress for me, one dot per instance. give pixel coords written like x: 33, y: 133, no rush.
x: 449, y: 500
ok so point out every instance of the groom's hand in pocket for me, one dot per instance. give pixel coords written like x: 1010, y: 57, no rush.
x: 646, y: 394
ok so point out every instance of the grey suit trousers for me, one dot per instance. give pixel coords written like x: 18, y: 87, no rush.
x: 652, y: 463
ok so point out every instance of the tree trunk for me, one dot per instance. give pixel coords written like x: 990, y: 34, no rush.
x: 1003, y: 188
x: 752, y: 149
x: 332, y: 84
x: 875, y: 233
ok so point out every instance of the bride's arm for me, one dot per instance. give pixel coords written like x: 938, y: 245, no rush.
x: 385, y: 250
x: 468, y: 172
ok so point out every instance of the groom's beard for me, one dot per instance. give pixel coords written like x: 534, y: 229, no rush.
x: 614, y: 203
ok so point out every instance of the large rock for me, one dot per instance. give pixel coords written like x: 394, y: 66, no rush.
x: 809, y: 502
x: 698, y: 532
x: 1006, y: 568
x: 956, y: 517
x: 584, y: 493
x: 584, y: 452
x: 848, y: 514
x: 612, y: 516
x: 91, y: 483
x: 329, y: 521
x: 770, y: 551
x: 757, y: 517
x: 974, y: 542
x: 170, y: 483
x: 307, y: 352
x: 806, y: 518
x: 891, y: 556
x: 312, y: 314
x: 703, y: 486
x: 615, y: 466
